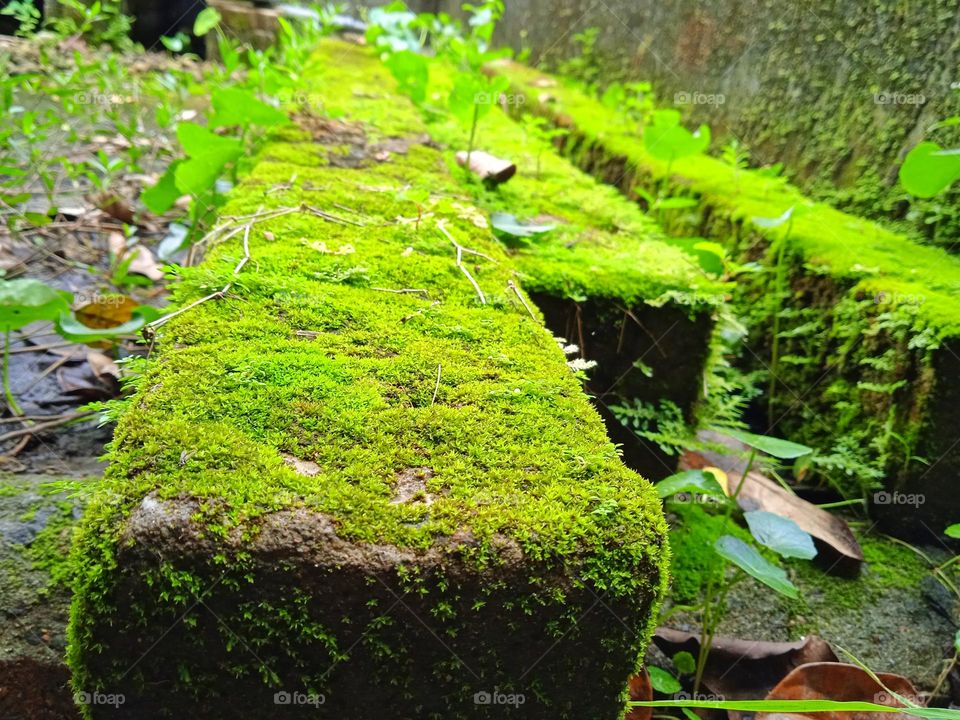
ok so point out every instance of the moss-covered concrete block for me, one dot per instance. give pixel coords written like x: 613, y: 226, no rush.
x: 607, y: 278
x: 869, y: 329
x: 366, y: 478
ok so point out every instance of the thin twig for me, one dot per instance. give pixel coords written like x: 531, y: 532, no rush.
x: 150, y: 328
x: 332, y: 218
x: 436, y: 389
x: 463, y: 268
x: 516, y: 291
x: 40, y: 348
x: 404, y: 291
x: 33, y: 429
x: 421, y: 311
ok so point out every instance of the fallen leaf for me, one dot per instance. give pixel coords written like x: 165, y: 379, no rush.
x: 744, y: 669
x: 144, y: 263
x: 640, y: 691
x: 102, y: 365
x: 835, y: 541
x: 117, y: 208
x: 841, y: 682
x: 106, y: 311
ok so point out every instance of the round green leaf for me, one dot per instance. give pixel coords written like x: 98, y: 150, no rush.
x: 691, y: 481
x: 663, y: 682
x: 780, y: 534
x: 953, y: 531
x: 206, y: 21
x: 928, y: 170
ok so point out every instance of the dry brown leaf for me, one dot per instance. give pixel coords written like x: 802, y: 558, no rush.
x: 841, y: 682
x: 144, y: 263
x: 103, y: 366
x: 107, y: 311
x: 744, y: 669
x: 640, y: 691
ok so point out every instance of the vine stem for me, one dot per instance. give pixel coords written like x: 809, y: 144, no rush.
x: 8, y: 393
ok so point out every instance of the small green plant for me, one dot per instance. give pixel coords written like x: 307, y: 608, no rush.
x: 585, y: 64
x: 542, y: 133
x: 773, y: 532
x: 777, y: 298
x: 26, y: 14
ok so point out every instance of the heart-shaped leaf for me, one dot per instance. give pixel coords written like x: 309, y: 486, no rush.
x: 754, y: 564
x: 207, y: 20
x: 782, y: 449
x: 780, y: 534
x: 233, y: 106
x: 690, y: 481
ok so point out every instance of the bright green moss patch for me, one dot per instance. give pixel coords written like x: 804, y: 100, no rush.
x: 603, y: 246
x: 847, y: 247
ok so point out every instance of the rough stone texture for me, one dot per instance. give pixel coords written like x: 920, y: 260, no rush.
x: 389, y: 632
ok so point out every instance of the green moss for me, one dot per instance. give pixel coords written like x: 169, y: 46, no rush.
x: 861, y: 254
x: 604, y: 247
x: 311, y: 355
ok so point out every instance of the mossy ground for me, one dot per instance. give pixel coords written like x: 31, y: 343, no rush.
x: 316, y: 354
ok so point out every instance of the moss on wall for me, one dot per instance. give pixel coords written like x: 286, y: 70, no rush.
x: 868, y: 320
x: 254, y: 530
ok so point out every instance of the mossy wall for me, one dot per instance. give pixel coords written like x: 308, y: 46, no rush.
x: 355, y: 477
x: 869, y: 321
x: 838, y: 91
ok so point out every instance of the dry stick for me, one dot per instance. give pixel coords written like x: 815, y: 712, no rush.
x: 421, y: 311
x: 150, y: 328
x: 55, y: 365
x: 436, y: 389
x: 633, y: 317
x: 23, y: 418
x: 512, y: 286
x: 463, y: 268
x: 403, y: 291
x: 332, y: 218
x: 40, y: 348
x: 13, y: 434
